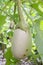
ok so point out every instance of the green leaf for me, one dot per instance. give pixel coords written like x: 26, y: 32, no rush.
x: 2, y: 19
x: 10, y: 33
x: 39, y: 38
x: 8, y: 56
x: 35, y: 6
x: 10, y: 60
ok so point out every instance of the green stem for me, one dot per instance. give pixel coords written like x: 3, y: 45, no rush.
x: 22, y: 24
x: 20, y: 11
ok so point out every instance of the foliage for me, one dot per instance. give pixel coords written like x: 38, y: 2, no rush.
x: 33, y: 10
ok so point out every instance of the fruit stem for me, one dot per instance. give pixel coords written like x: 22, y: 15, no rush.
x: 20, y: 11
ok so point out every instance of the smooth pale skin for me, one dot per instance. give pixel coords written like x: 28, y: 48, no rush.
x: 21, y: 43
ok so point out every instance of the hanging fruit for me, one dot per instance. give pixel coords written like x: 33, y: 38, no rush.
x: 22, y: 39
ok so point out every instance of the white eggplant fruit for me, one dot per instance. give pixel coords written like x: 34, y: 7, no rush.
x: 21, y: 43
x: 22, y: 39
